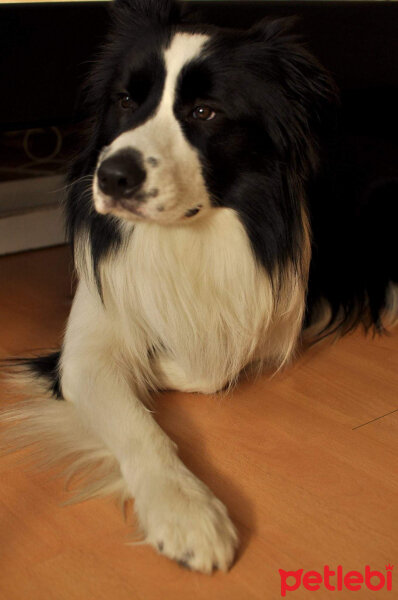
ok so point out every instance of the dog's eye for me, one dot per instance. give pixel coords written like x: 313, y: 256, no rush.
x: 126, y: 102
x: 204, y: 113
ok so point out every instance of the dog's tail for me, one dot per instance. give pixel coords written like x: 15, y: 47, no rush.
x: 39, y: 372
x: 36, y: 416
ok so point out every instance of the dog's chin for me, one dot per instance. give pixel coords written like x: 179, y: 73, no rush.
x: 138, y: 212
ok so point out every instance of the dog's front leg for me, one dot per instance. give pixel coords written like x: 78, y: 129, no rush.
x: 178, y: 513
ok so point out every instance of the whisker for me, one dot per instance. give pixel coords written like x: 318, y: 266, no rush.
x: 67, y: 186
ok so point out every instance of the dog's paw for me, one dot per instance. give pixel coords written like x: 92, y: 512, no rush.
x: 187, y: 523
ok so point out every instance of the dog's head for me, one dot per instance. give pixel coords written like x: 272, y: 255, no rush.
x: 188, y: 118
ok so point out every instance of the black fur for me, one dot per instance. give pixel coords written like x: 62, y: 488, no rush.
x: 260, y: 155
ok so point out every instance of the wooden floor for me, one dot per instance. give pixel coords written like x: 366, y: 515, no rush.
x: 307, y: 480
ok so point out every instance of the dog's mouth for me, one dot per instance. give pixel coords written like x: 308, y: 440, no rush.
x: 132, y: 205
x: 193, y: 211
x: 148, y: 208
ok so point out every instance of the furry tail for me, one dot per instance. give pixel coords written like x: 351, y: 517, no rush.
x: 38, y: 372
x: 54, y: 431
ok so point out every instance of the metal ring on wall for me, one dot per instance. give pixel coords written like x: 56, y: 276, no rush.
x: 53, y: 154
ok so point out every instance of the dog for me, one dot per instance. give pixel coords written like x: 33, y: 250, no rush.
x: 215, y: 226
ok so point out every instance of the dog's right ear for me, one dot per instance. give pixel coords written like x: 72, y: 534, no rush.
x: 162, y: 11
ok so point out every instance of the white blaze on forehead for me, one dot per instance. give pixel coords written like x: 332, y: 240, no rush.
x: 183, y: 49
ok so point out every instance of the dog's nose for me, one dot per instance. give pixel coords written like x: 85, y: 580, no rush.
x: 122, y: 174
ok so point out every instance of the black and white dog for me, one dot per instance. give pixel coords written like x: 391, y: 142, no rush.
x: 214, y: 219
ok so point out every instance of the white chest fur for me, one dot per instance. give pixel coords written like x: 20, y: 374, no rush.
x: 196, y: 293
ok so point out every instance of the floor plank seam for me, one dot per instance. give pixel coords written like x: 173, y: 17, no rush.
x: 376, y: 419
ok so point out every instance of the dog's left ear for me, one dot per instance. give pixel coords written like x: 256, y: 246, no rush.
x: 307, y: 82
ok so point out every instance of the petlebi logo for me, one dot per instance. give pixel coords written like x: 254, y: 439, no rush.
x: 336, y: 580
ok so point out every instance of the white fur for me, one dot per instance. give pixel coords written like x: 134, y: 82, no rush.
x: 198, y: 295
x: 177, y: 513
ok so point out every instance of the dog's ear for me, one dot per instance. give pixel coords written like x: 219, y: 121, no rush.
x: 308, y: 84
x: 162, y: 11
x: 269, y: 29
x: 300, y: 95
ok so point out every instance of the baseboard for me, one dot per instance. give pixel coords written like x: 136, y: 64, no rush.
x: 31, y: 214
x: 36, y: 229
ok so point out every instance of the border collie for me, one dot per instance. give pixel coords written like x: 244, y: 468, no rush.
x: 215, y: 223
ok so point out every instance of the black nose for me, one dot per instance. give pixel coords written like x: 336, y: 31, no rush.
x: 122, y: 174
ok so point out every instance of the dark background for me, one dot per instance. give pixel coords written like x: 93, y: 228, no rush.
x: 46, y: 50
